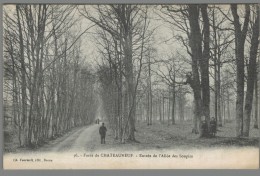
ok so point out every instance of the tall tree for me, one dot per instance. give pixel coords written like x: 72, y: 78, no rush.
x: 204, y: 64
x: 251, y: 75
x: 240, y: 37
x: 256, y: 97
x: 23, y: 72
x: 198, y: 79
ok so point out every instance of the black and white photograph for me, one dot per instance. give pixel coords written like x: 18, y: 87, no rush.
x: 131, y: 86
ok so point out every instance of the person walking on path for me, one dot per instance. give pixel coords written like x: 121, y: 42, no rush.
x: 102, y: 132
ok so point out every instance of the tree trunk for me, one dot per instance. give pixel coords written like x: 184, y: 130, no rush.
x: 195, y: 44
x: 251, y: 76
x: 256, y: 101
x: 219, y: 94
x: 163, y: 110
x: 160, y: 108
x: 258, y: 95
x: 23, y: 78
x: 197, y: 118
x: 148, y: 108
x: 169, y: 107
x: 15, y: 94
x: 223, y: 108
x: 228, y: 100
x: 240, y: 36
x: 130, y: 87
x: 216, y: 75
x: 181, y: 104
x: 150, y: 100
x: 173, y: 103
x: 204, y: 65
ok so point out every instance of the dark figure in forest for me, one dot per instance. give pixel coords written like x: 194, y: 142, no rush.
x: 213, y: 126
x: 203, y: 128
x: 54, y: 131
x: 102, y: 132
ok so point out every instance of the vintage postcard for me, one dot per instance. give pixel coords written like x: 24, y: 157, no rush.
x: 131, y: 86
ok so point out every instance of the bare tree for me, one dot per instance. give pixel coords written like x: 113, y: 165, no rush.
x: 240, y: 37
x: 251, y: 75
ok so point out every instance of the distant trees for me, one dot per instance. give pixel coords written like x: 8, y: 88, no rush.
x: 222, y: 39
x: 227, y: 92
x: 170, y: 71
x: 52, y: 91
x: 124, y: 34
x: 205, y: 35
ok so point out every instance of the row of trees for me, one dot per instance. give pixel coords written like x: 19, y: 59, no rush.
x: 209, y: 34
x: 48, y: 86
x: 219, y: 56
x: 123, y: 41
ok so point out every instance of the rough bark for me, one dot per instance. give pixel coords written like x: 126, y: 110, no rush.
x: 181, y: 101
x: 215, y: 68
x: 150, y: 101
x: 173, y: 103
x: 240, y: 36
x: 251, y: 76
x: 204, y: 64
x: 219, y: 94
x: 195, y: 44
x: 256, y: 102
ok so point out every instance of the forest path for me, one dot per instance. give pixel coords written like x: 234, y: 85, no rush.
x: 78, y: 140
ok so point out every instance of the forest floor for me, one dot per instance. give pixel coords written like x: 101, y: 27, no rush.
x: 179, y: 136
x: 154, y: 137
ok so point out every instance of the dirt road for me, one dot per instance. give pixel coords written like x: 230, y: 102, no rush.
x: 81, y: 139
